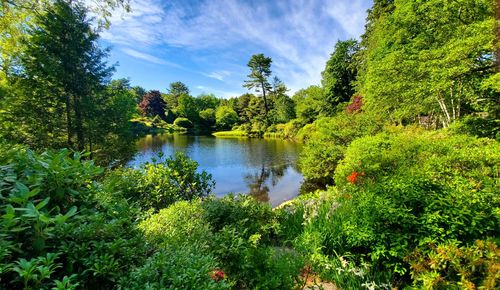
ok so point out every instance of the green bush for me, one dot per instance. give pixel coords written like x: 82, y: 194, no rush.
x: 55, y: 229
x: 476, y: 126
x: 179, y: 224
x: 156, y: 186
x: 187, y: 267
x: 332, y: 135
x: 450, y: 266
x: 244, y: 241
x: 398, y: 191
x: 183, y: 122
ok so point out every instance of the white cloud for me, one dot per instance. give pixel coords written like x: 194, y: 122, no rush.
x: 148, y: 57
x: 218, y: 75
x: 299, y: 34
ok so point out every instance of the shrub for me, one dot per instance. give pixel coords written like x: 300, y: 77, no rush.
x: 183, y: 122
x: 179, y: 224
x: 54, y: 224
x: 320, y: 157
x: 187, y: 267
x: 450, y: 266
x: 398, y: 191
x: 291, y: 128
x: 476, y: 126
x: 156, y: 186
x: 244, y: 233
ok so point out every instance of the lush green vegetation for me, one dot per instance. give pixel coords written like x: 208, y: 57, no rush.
x: 402, y: 134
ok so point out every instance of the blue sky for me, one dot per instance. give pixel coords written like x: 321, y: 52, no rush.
x: 206, y: 44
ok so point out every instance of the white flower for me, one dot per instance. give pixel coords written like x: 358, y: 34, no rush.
x: 369, y: 286
x: 357, y: 272
x: 344, y: 262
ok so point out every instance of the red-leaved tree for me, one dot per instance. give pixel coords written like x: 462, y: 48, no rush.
x: 152, y: 104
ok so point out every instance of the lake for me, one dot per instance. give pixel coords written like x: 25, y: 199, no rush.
x: 264, y: 168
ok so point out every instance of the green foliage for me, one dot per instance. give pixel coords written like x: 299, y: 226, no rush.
x: 244, y: 231
x: 207, y: 117
x: 183, y: 122
x: 418, y: 188
x: 156, y: 186
x: 476, y: 126
x: 226, y: 117
x: 182, y: 223
x: 176, y: 268
x: 339, y: 75
x: 428, y: 58
x: 309, y: 103
x: 450, y: 266
x: 322, y: 153
x: 51, y: 228
x: 187, y: 107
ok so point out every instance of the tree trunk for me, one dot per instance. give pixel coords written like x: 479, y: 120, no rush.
x: 68, y: 121
x: 79, y: 125
x: 264, y: 96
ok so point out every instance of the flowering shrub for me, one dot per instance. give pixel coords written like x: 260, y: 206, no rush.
x: 355, y: 105
x: 419, y: 187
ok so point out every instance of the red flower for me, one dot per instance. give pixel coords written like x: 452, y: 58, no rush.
x: 218, y: 275
x: 353, y: 177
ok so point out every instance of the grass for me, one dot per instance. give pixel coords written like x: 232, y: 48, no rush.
x: 230, y: 134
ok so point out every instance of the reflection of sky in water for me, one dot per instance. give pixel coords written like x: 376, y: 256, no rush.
x: 265, y: 168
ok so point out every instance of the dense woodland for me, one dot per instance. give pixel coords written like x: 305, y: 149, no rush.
x: 402, y: 135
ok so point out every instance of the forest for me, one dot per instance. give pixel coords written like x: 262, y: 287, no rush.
x: 401, y: 141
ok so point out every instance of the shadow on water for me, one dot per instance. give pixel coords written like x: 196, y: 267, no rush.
x: 263, y: 168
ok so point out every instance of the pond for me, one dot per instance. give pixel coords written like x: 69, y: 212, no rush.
x: 264, y: 168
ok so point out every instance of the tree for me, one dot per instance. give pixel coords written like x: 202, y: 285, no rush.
x: 63, y: 72
x: 175, y: 91
x: 187, y: 107
x: 283, y: 107
x: 226, y: 117
x: 207, y: 117
x: 152, y: 104
x: 309, y: 103
x: 207, y: 101
x: 339, y: 75
x: 258, y: 78
x: 139, y: 93
x: 429, y: 59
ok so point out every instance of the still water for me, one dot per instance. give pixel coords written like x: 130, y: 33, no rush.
x: 263, y: 168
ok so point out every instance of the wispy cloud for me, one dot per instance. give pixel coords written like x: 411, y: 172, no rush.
x: 218, y: 75
x: 149, y: 58
x: 298, y: 34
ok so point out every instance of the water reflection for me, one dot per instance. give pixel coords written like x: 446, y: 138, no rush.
x: 264, y: 168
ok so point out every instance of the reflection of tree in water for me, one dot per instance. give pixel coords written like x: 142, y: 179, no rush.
x: 116, y: 150
x: 257, y: 182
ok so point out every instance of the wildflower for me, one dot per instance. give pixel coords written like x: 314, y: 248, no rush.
x: 340, y: 270
x: 218, y: 275
x: 369, y: 286
x: 357, y: 272
x: 343, y: 261
x: 353, y: 177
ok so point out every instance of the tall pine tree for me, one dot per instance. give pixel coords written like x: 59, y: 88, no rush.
x: 64, y: 72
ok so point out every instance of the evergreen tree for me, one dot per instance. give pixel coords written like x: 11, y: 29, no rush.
x: 258, y: 78
x: 64, y: 70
